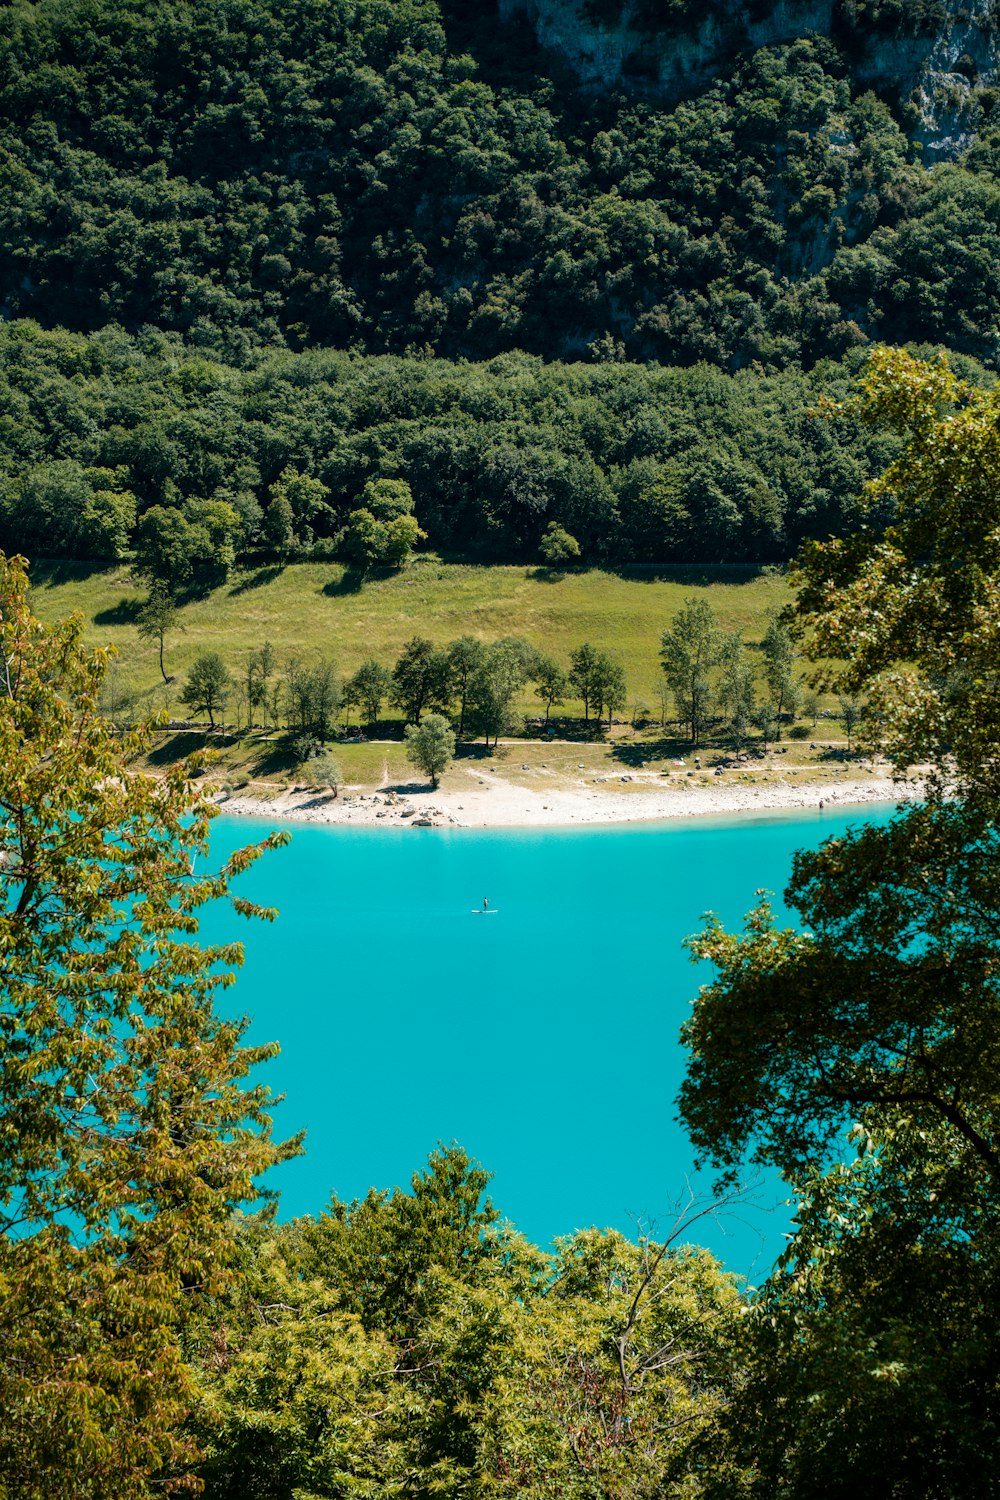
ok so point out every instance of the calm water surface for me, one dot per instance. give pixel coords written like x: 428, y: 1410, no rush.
x: 543, y: 1039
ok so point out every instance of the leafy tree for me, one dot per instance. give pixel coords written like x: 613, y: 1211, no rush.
x: 431, y: 745
x: 557, y: 547
x: 324, y: 770
x: 409, y: 1334
x: 383, y: 531
x: 689, y: 650
x: 868, y: 1364
x: 387, y: 499
x: 312, y: 697
x: 156, y: 618
x: 608, y: 686
x: 208, y: 685
x: 279, y: 526
x: 583, y: 664
x: 766, y: 720
x: 364, y: 539
x: 297, y: 505
x: 260, y: 668
x: 503, y: 669
x: 552, y: 683
x: 877, y: 1016
x: 382, y: 1249
x: 883, y: 1002
x: 850, y: 716
x: 907, y: 611
x: 369, y: 686
x: 131, y: 1132
x: 420, y: 676
x: 737, y: 687
x: 303, y: 1396
x: 464, y: 656
x: 167, y: 548
x: 778, y: 652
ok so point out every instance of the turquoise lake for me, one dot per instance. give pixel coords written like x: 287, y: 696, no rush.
x: 543, y: 1039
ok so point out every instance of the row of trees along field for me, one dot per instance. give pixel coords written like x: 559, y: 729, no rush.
x: 407, y: 1344
x: 710, y: 678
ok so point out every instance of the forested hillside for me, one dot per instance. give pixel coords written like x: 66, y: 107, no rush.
x: 387, y: 176
x: 217, y: 192
x: 111, y: 439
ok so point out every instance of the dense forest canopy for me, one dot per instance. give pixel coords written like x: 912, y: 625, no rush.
x: 105, y: 436
x: 195, y: 201
x: 383, y: 176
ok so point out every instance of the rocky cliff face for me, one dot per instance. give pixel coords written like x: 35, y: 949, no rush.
x: 935, y: 61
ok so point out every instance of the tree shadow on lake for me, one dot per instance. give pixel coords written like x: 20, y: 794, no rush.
x: 257, y: 580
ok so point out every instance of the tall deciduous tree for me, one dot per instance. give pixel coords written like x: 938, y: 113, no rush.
x: 208, y: 685
x: 778, y: 650
x: 130, y: 1132
x: 582, y: 665
x: 502, y: 671
x: 259, y: 670
x: 910, y: 609
x: 464, y: 656
x: 737, y: 688
x: 689, y: 650
x: 551, y: 683
x: 871, y: 1368
x: 156, y: 617
x: 369, y: 686
x: 420, y: 676
x: 608, y: 686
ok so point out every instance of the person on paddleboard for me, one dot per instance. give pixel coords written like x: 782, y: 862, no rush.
x: 486, y: 903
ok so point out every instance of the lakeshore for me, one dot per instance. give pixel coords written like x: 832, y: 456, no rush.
x: 488, y: 797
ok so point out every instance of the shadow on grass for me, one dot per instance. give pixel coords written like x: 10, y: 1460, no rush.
x: 351, y: 582
x: 125, y: 612
x: 177, y: 746
x: 258, y: 580
x: 694, y: 575
x: 274, y: 758
x: 573, y: 730
x: 543, y: 574
x: 49, y: 573
x: 637, y: 752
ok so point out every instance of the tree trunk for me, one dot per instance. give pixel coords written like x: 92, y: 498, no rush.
x: 162, y: 672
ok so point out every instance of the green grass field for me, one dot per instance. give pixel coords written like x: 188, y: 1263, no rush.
x: 305, y: 610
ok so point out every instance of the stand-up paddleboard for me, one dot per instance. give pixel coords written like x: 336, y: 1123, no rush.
x: 477, y: 911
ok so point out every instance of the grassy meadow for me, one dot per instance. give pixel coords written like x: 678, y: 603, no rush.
x: 313, y: 610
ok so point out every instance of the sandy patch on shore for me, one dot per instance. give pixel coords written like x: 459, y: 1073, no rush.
x: 474, y: 797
